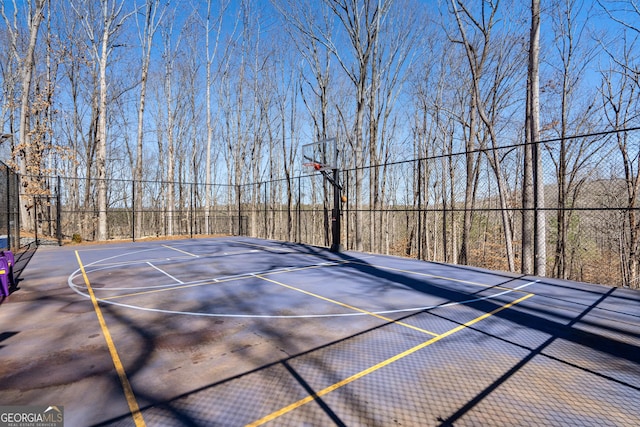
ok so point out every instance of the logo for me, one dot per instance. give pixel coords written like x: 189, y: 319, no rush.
x: 31, y: 416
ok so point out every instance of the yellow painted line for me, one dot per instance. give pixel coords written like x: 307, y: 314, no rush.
x: 181, y: 251
x: 406, y: 325
x: 126, y: 386
x: 382, y: 364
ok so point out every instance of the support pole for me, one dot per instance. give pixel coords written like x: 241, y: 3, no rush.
x: 9, y: 211
x: 238, y: 195
x: 59, y: 212
x: 335, y: 215
x: 133, y: 210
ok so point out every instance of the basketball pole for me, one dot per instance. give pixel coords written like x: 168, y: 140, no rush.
x: 322, y: 156
x: 336, y: 246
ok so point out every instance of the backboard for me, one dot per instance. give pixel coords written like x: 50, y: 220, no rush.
x: 320, y: 155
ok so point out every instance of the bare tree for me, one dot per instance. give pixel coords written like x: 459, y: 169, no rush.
x: 391, y: 54
x: 308, y: 26
x: 532, y: 161
x: 362, y: 23
x: 620, y: 89
x: 211, y: 23
x: 574, y: 115
x: 170, y: 47
x: 479, y: 56
x: 11, y: 79
x: 151, y: 19
x: 310, y: 30
x: 109, y: 19
x: 472, y: 157
x: 620, y: 97
x: 27, y: 158
x: 78, y: 80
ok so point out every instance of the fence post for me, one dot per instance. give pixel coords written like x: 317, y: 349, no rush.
x: 347, y: 208
x: 238, y: 195
x: 17, y: 210
x: 419, y: 233
x: 299, y: 209
x: 9, y: 230
x: 266, y: 219
x: 59, y: 212
x: 133, y: 210
x: 191, y: 215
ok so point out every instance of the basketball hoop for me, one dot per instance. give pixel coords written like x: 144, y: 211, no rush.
x: 314, y: 166
x: 322, y: 156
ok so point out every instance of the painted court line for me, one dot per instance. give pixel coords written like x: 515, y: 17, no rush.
x: 180, y: 250
x: 172, y: 287
x: 166, y: 274
x: 99, y: 265
x: 378, y: 366
x: 350, y: 307
x: 469, y: 301
x: 265, y: 247
x: 434, y: 276
x: 211, y: 281
x: 122, y: 375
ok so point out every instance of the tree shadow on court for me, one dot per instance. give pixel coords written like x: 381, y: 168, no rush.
x: 542, y: 318
x: 555, y: 326
x: 290, y: 371
x: 545, y: 320
x: 178, y: 409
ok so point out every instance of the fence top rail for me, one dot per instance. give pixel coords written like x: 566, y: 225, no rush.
x: 371, y: 166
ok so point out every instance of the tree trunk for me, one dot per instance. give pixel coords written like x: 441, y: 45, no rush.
x: 28, y: 66
x: 101, y: 143
x: 146, y: 42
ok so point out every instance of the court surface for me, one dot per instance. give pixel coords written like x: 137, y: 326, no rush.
x: 237, y: 331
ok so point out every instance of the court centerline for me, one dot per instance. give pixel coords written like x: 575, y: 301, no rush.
x: 352, y: 378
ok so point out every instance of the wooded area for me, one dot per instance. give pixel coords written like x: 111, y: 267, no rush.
x: 491, y: 133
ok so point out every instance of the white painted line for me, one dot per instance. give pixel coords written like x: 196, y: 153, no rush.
x: 180, y: 250
x: 78, y: 290
x: 298, y: 316
x: 166, y: 274
x: 204, y: 281
x: 450, y: 304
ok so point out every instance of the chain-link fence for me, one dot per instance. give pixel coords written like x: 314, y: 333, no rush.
x: 467, y: 207
x: 461, y: 208
x: 9, y: 209
x: 147, y: 209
